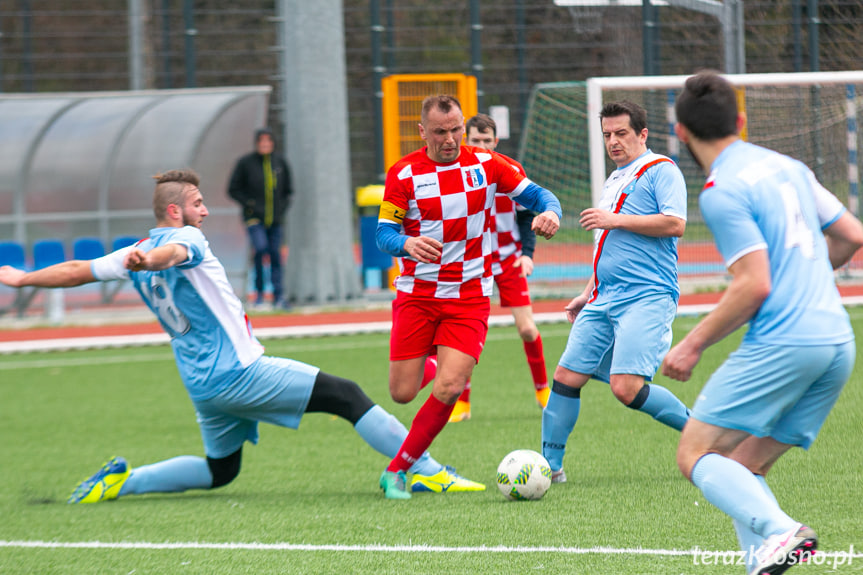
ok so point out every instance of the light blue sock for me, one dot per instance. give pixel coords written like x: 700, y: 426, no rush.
x: 735, y: 490
x: 748, y: 539
x: 426, y: 465
x: 558, y: 420
x: 169, y: 476
x: 385, y: 434
x: 662, y: 405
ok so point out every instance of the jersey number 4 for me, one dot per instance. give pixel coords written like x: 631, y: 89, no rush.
x: 797, y: 232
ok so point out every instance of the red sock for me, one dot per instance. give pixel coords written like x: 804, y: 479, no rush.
x: 465, y: 395
x: 427, y: 424
x: 536, y: 361
x: 429, y: 371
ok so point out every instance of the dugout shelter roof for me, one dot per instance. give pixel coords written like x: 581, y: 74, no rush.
x: 80, y: 164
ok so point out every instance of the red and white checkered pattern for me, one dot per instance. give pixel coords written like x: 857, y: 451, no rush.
x: 451, y: 203
x: 505, y: 237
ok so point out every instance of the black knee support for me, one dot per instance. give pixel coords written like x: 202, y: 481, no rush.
x: 340, y: 397
x: 565, y: 390
x: 640, y: 398
x: 225, y: 469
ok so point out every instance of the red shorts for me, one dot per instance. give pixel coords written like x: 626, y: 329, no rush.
x: 420, y: 324
x: 511, y: 287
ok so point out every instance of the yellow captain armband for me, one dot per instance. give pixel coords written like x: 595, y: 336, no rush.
x: 392, y: 213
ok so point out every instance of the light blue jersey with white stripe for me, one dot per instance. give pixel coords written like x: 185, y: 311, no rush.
x: 210, y: 333
x: 758, y: 199
x: 629, y: 265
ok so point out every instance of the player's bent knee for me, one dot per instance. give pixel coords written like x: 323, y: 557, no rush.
x: 339, y: 396
x: 448, y: 391
x: 626, y: 396
x: 528, y: 333
x: 570, y: 378
x: 400, y: 395
x: 225, y: 469
x: 631, y: 391
x: 562, y: 374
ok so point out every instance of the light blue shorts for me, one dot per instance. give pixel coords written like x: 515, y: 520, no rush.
x: 784, y: 392
x: 630, y: 337
x: 273, y: 390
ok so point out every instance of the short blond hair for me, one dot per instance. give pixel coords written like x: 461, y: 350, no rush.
x: 170, y: 189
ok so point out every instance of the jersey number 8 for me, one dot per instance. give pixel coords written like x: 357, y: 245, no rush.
x: 162, y: 300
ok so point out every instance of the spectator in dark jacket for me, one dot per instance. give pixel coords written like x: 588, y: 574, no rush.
x: 261, y: 184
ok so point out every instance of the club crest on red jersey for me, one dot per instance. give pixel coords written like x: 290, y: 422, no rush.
x: 473, y: 177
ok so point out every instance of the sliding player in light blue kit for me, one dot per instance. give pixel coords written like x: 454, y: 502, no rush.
x: 622, y: 320
x: 781, y: 234
x: 233, y: 386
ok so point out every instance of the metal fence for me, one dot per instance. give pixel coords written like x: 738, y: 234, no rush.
x: 511, y: 45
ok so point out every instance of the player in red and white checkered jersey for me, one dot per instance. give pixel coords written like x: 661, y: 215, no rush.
x: 436, y: 217
x: 513, y: 244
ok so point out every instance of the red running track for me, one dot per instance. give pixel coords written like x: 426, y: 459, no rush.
x: 298, y: 318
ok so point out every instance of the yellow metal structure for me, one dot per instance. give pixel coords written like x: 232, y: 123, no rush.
x: 741, y: 107
x: 370, y: 196
x: 403, y: 95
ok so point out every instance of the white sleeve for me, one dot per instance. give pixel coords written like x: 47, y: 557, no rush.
x: 828, y: 206
x: 110, y: 266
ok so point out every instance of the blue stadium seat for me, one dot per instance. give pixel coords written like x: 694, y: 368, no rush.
x: 47, y: 253
x: 123, y: 241
x: 12, y: 254
x: 87, y: 248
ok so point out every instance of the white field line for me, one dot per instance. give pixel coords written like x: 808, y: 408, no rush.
x: 296, y: 331
x: 373, y: 548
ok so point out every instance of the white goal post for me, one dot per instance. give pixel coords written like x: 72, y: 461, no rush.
x: 809, y: 116
x: 844, y: 98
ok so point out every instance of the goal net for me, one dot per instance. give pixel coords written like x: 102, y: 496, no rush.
x: 809, y: 116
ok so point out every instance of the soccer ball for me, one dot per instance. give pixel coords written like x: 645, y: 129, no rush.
x: 523, y: 475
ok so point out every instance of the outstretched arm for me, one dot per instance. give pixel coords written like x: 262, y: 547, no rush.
x: 67, y: 274
x: 160, y: 258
